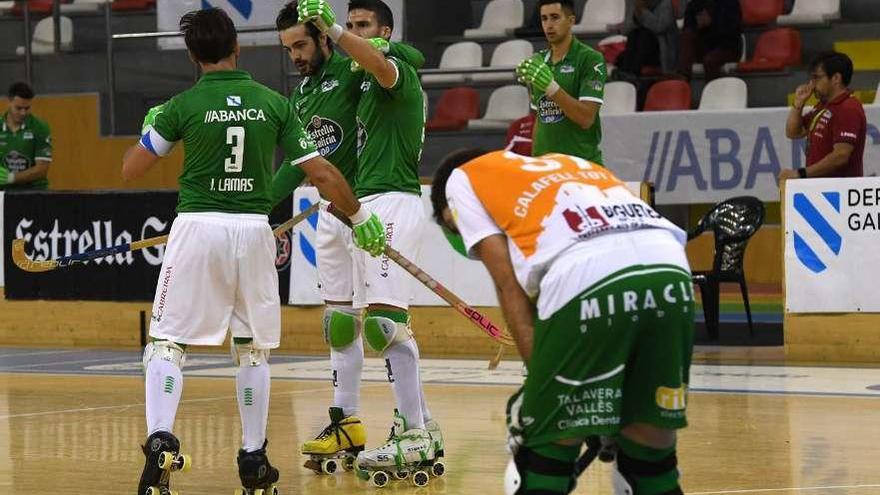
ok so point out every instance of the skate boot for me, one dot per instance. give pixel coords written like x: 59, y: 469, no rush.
x: 338, y: 444
x: 162, y: 452
x: 438, y: 468
x: 407, y: 452
x: 258, y: 477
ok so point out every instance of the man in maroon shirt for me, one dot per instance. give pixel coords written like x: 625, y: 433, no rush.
x: 835, y: 129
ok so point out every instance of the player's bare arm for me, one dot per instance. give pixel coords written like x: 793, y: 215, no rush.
x: 518, y: 310
x: 331, y: 184
x: 137, y: 161
x: 37, y: 172
x: 369, y: 58
x: 582, y: 113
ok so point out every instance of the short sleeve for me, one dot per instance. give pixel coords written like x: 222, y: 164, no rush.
x: 592, y: 74
x: 43, y: 144
x: 298, y: 146
x: 160, y: 138
x: 471, y: 217
x: 406, y: 76
x: 846, y: 125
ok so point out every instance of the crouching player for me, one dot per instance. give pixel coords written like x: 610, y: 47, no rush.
x: 595, y: 287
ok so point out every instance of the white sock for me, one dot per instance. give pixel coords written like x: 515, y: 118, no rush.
x: 403, y: 357
x: 164, y: 384
x: 426, y: 413
x: 347, y: 364
x: 252, y: 386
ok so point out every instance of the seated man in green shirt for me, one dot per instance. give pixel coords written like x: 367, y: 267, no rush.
x: 25, y: 145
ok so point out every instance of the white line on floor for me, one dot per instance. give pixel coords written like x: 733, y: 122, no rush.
x: 38, y: 353
x: 791, y: 489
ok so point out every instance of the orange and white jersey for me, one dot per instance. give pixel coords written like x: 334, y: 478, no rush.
x: 547, y: 206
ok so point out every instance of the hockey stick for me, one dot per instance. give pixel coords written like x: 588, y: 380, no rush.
x: 495, y: 332
x: 37, y: 266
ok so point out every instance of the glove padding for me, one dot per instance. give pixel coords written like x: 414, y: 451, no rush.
x: 5, y: 175
x: 318, y: 12
x: 150, y: 118
x: 380, y: 44
x: 535, y: 73
x: 369, y: 235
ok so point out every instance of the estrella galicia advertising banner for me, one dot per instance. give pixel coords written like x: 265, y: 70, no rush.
x: 55, y: 224
x: 709, y: 156
x: 832, y: 235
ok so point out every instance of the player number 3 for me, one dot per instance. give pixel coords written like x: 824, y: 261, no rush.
x: 235, y: 138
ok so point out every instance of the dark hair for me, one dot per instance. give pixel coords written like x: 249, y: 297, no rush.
x: 834, y: 63
x: 21, y: 90
x: 567, y: 5
x: 378, y: 7
x: 438, y: 187
x: 289, y: 17
x: 209, y: 34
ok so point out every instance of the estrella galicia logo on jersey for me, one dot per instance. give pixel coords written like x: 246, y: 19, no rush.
x: 329, y: 85
x: 821, y: 227
x: 305, y: 246
x: 361, y: 137
x: 233, y: 101
x: 243, y: 7
x: 326, y: 133
x: 548, y: 111
x: 16, y: 162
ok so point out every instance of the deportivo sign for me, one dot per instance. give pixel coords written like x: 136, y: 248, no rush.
x: 832, y: 231
x: 706, y: 157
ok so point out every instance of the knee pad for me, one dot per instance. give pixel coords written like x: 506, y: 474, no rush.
x: 245, y: 354
x: 381, y: 332
x: 631, y: 473
x: 166, y: 351
x: 341, y: 326
x: 526, y: 459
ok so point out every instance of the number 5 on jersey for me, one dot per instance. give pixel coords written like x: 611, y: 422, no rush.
x: 235, y: 138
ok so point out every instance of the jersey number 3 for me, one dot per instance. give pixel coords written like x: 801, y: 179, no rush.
x: 235, y: 138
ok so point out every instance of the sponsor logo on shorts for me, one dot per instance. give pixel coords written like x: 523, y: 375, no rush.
x: 385, y: 262
x: 160, y: 307
x: 671, y: 399
x: 631, y: 301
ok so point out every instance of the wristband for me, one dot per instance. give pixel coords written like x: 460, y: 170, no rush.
x: 10, y: 179
x: 361, y: 216
x: 551, y: 89
x: 802, y: 173
x: 335, y: 32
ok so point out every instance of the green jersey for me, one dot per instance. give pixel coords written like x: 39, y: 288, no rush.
x: 391, y: 132
x: 20, y: 150
x: 581, y: 73
x: 230, y: 126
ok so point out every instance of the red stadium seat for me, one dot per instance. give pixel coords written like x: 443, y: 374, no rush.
x: 758, y: 12
x: 776, y: 49
x: 455, y: 108
x: 36, y: 6
x: 122, y: 5
x: 668, y: 95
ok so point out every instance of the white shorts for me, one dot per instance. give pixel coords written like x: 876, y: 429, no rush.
x: 380, y: 280
x: 334, y: 247
x: 218, y: 275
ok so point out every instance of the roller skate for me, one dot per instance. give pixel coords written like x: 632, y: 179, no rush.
x: 406, y: 453
x: 163, y: 457
x: 439, y: 467
x: 258, y: 477
x: 337, y: 445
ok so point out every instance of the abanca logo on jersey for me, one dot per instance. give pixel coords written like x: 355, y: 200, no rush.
x: 326, y: 133
x: 548, y: 111
x: 234, y: 115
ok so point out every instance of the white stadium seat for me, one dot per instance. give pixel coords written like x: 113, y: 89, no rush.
x: 507, y: 54
x: 506, y: 104
x: 877, y: 95
x: 620, y: 97
x: 42, y: 42
x: 599, y: 15
x: 499, y: 19
x: 461, y: 55
x: 806, y: 12
x: 725, y: 93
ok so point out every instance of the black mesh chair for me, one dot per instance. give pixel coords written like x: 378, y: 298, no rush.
x: 733, y: 222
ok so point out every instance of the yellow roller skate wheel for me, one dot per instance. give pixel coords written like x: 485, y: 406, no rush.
x: 153, y: 491
x: 238, y: 491
x: 259, y: 491
x: 185, y: 463
x: 166, y: 460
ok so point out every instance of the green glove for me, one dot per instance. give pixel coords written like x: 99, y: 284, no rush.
x: 537, y: 74
x: 369, y: 234
x: 320, y: 13
x: 6, y: 177
x: 380, y: 44
x: 150, y: 118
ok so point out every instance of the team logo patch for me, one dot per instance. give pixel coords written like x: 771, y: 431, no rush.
x: 233, y: 101
x: 671, y: 399
x: 566, y: 69
x: 16, y: 162
x: 327, y: 134
x: 27, y: 135
x: 596, y: 85
x: 283, y: 250
x: 365, y: 86
x: 329, y: 85
x: 823, y: 229
x: 548, y: 111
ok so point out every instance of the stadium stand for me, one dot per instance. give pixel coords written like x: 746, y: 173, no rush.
x: 43, y: 40
x: 620, y: 97
x: 809, y: 12
x: 668, y: 95
x: 461, y: 55
x: 506, y: 104
x: 507, y: 54
x: 600, y: 16
x: 724, y: 93
x: 776, y: 49
x: 499, y: 19
x: 456, y: 107
x: 760, y: 12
